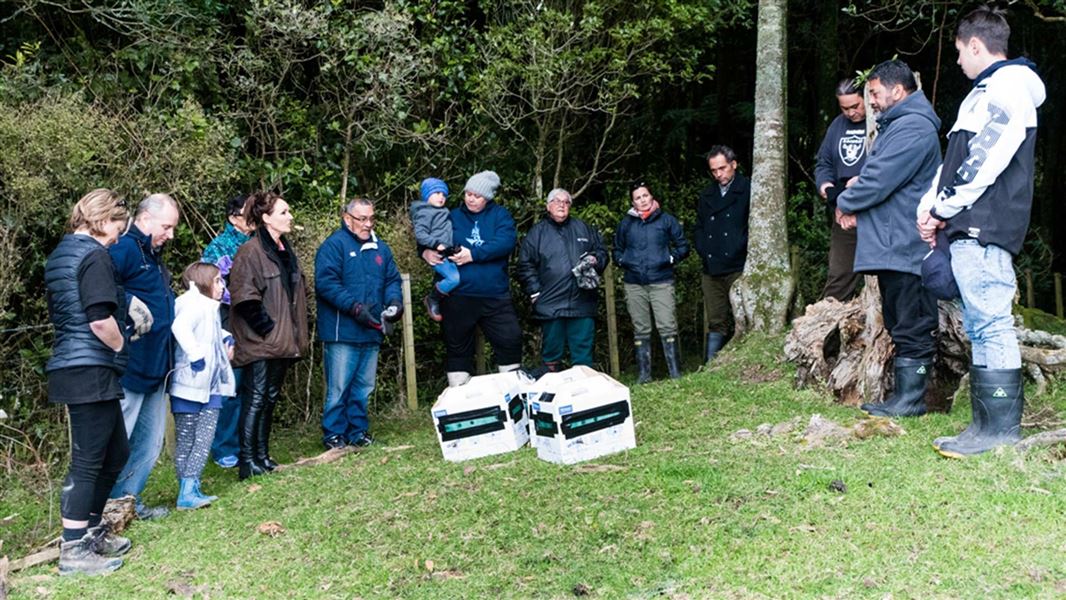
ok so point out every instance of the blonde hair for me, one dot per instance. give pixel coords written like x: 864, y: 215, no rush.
x: 96, y: 209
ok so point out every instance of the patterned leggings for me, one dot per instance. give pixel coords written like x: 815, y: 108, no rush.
x: 193, y: 434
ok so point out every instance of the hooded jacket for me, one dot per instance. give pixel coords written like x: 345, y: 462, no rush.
x: 984, y: 189
x: 491, y: 237
x: 141, y: 272
x: 649, y: 249
x: 722, y: 226
x: 898, y: 169
x: 350, y: 271
x: 548, y: 254
x: 199, y: 335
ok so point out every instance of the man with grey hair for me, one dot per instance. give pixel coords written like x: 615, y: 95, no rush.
x: 141, y: 273
x: 559, y: 267
x: 357, y: 287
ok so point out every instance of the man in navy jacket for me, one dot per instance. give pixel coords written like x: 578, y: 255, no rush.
x: 882, y: 202
x: 140, y: 271
x: 357, y: 286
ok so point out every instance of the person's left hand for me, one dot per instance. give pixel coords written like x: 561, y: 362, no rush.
x: 846, y: 221
x: 927, y: 226
x: 392, y: 313
x: 462, y: 257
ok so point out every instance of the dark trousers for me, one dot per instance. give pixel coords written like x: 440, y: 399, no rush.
x: 910, y: 314
x: 841, y: 279
x: 577, y: 333
x: 99, y: 450
x: 717, y: 310
x: 498, y: 321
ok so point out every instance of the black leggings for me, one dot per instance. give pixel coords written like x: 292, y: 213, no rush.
x: 99, y: 450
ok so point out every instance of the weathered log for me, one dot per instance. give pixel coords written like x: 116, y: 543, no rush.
x: 326, y: 457
x: 845, y: 347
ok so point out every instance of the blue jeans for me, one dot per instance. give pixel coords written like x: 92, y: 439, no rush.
x: 985, y: 275
x: 145, y: 415
x: 227, y: 442
x: 350, y: 372
x: 449, y: 273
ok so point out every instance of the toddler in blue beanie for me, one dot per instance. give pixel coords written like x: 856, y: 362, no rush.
x: 433, y: 229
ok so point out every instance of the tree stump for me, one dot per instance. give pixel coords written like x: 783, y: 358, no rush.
x: 846, y: 348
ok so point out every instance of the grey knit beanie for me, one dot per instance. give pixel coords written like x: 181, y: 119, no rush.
x: 483, y: 184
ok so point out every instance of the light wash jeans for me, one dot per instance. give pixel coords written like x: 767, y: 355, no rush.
x: 350, y: 373
x: 985, y: 276
x: 145, y: 415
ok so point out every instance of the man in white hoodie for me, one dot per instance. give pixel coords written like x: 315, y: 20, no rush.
x: 981, y: 198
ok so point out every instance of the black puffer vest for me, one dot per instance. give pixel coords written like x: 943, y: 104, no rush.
x: 75, y: 344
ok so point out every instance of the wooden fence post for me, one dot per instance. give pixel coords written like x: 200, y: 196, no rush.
x: 170, y: 442
x: 612, y: 321
x: 1058, y: 295
x: 409, y: 343
x: 1029, y: 294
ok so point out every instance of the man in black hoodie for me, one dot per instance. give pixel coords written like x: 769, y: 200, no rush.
x: 882, y: 202
x: 840, y: 158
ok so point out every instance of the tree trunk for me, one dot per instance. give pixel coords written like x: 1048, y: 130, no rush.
x: 762, y: 295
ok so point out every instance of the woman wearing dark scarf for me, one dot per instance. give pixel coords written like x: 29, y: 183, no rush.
x: 648, y: 244
x: 269, y: 322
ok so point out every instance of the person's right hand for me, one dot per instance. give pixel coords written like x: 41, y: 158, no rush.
x: 846, y: 221
x: 432, y: 257
x: 364, y: 318
x: 825, y: 186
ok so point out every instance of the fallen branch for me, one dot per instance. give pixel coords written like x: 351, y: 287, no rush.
x: 1042, y: 439
x: 3, y: 573
x: 331, y: 455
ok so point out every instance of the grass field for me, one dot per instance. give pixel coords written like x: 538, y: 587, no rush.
x: 691, y: 513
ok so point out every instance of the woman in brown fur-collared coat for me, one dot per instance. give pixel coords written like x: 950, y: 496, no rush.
x: 269, y: 321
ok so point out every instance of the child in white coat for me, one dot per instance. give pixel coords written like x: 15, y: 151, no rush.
x: 202, y: 377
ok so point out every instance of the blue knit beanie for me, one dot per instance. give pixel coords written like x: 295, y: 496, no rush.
x: 483, y: 184
x: 430, y: 186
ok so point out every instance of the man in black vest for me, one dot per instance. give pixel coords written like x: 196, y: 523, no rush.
x: 840, y: 158
x: 721, y: 241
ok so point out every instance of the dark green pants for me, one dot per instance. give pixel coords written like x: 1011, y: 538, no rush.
x: 716, y: 307
x: 841, y: 279
x: 578, y: 333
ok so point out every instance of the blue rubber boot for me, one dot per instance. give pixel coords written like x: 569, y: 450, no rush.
x: 187, y: 497
x: 203, y: 495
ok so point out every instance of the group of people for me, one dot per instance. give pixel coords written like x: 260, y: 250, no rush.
x: 935, y: 227
x: 221, y: 349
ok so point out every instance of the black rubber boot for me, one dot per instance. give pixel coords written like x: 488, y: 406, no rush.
x: 908, y: 399
x: 432, y: 302
x: 643, y: 348
x: 715, y: 341
x: 976, y: 419
x: 998, y: 398
x: 673, y: 357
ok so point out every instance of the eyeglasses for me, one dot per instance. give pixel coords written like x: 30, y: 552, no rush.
x: 360, y: 220
x: 565, y: 201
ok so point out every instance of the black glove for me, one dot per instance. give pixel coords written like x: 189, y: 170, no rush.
x: 363, y: 317
x: 832, y: 192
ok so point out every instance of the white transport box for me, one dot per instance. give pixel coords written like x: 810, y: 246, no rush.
x: 579, y: 414
x: 485, y: 416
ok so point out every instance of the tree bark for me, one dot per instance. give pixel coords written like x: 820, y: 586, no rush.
x: 761, y: 296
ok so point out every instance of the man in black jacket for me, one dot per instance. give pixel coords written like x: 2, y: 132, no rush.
x: 721, y: 241
x: 840, y: 158
x: 554, y: 263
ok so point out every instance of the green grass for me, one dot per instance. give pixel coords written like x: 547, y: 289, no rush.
x: 688, y: 514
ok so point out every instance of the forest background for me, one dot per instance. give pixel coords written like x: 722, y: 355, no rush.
x: 206, y: 99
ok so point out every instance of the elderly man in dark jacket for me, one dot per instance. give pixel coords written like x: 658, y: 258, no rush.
x: 648, y: 244
x: 883, y: 201
x: 550, y: 264
x: 721, y: 241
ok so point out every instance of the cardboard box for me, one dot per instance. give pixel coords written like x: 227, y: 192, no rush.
x: 579, y: 414
x: 485, y: 416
